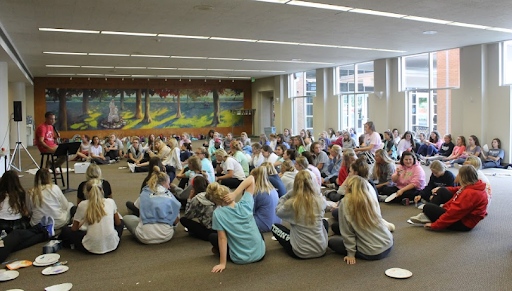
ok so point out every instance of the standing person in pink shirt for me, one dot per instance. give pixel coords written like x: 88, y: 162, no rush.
x: 409, y: 179
x: 372, y: 139
x: 45, y: 138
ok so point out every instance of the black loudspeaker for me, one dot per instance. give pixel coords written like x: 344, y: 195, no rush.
x: 17, y: 111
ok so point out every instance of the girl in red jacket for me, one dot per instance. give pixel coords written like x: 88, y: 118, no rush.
x: 466, y: 208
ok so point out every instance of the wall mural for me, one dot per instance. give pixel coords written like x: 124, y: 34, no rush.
x: 97, y: 109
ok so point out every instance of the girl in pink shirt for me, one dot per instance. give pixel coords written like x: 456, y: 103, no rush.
x: 408, y: 179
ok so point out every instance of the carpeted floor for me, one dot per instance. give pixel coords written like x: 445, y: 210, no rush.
x: 477, y: 260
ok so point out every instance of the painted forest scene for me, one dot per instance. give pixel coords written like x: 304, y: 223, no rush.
x: 102, y: 109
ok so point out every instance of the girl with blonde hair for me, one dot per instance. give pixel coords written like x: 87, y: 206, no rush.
x: 159, y: 211
x: 46, y: 199
x: 238, y: 153
x: 288, y: 173
x: 93, y: 172
x: 237, y: 236
x: 383, y: 169
x: 301, y: 163
x: 100, y: 218
x: 364, y: 233
x: 304, y: 209
x: 175, y: 154
x: 440, y: 178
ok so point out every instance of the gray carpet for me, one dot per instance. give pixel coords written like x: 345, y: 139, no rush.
x: 478, y: 260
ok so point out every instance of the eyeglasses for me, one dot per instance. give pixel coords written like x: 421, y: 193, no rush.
x: 199, y: 153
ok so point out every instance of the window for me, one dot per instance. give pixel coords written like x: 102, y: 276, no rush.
x: 507, y: 63
x: 354, y: 107
x: 302, y: 92
x: 354, y: 111
x: 427, y: 80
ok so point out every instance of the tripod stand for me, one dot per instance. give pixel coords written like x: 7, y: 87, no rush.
x: 17, y: 153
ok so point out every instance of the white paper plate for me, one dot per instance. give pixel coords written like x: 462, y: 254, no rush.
x: 390, y: 198
x: 47, y: 259
x: 398, y: 273
x: 55, y: 270
x: 36, y: 264
x: 60, y: 287
x: 9, y: 275
x: 414, y: 224
x: 14, y: 290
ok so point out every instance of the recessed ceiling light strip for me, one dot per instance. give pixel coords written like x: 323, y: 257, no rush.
x: 163, y: 68
x: 149, y: 76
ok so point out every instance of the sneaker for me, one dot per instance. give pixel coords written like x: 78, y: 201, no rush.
x: 423, y: 163
x: 132, y: 167
x: 420, y: 218
x: 509, y: 168
x: 457, y: 166
x: 427, y: 163
x: 49, y: 226
x: 382, y: 198
x: 421, y: 205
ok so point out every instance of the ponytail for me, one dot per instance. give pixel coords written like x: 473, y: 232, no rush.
x: 96, y: 207
x: 157, y: 178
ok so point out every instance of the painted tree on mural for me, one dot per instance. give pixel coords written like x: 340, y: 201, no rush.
x: 147, y: 113
x: 138, y: 101
x: 216, y: 102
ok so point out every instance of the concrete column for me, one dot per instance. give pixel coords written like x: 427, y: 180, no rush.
x: 378, y: 103
x: 4, y: 114
x: 320, y: 102
x: 17, y: 92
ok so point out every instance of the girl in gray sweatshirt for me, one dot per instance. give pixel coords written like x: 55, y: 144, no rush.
x: 364, y: 233
x: 304, y: 209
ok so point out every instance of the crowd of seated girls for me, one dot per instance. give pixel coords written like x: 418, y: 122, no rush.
x: 251, y: 188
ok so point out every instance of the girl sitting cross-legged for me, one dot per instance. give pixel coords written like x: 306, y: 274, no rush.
x: 304, y: 209
x: 99, y: 217
x: 199, y: 211
x: 364, y: 233
x: 159, y: 211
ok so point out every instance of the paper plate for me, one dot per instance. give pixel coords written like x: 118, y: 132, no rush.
x: 398, y: 273
x: 415, y: 224
x: 47, y: 259
x: 9, y: 275
x: 390, y: 198
x: 55, y: 270
x: 60, y: 287
x: 14, y: 290
x: 18, y: 264
x: 36, y: 264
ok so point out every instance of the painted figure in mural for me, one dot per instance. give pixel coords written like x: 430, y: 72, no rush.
x: 113, y: 115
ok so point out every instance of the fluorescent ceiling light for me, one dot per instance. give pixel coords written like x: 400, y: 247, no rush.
x: 277, y: 42
x: 222, y: 70
x: 62, y: 66
x: 169, y: 76
x: 149, y: 56
x: 500, y: 29
x: 131, y: 68
x: 60, y: 74
x: 144, y: 76
x: 97, y: 67
x: 378, y: 13
x: 257, y: 60
x: 109, y: 55
x: 233, y: 39
x: 65, y: 53
x: 319, y: 45
x: 191, y: 69
x: 274, y: 1
x: 68, y: 30
x: 319, y: 5
x: 107, y: 75
x: 89, y: 74
x: 426, y: 19
x: 157, y: 68
x: 271, y: 71
x: 188, y: 57
x: 128, y: 33
x: 183, y: 36
x: 468, y: 25
x: 225, y: 59
x: 240, y: 77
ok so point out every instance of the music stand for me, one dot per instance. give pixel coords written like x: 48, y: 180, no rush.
x: 65, y: 149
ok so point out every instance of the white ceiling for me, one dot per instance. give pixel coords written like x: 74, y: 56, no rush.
x: 237, y: 19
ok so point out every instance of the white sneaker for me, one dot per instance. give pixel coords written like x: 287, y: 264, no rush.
x: 132, y: 167
x: 420, y: 218
x: 421, y: 205
x: 457, y: 166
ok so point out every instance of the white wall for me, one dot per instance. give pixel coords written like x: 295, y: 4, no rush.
x: 261, y: 90
x: 4, y: 113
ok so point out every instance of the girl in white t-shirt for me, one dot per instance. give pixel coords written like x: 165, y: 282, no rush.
x: 231, y: 168
x: 12, y: 203
x: 97, y: 227
x: 46, y: 199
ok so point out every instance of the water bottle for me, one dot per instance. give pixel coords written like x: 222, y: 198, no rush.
x: 3, y: 234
